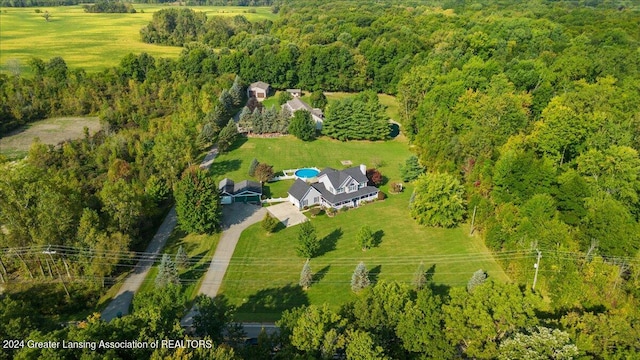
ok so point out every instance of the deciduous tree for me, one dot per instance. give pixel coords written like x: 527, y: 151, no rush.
x: 198, y: 202
x: 439, y: 200
x: 308, y: 243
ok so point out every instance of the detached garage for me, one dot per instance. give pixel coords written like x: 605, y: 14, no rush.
x: 243, y: 192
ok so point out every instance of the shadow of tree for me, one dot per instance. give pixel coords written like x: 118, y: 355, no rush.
x: 377, y: 238
x: 220, y: 168
x: 431, y: 271
x: 328, y: 243
x: 275, y: 300
x: 374, y: 273
x: 240, y: 140
x: 318, y: 276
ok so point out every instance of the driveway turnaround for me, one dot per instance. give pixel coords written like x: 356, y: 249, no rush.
x: 122, y: 301
x: 287, y: 214
x: 235, y: 218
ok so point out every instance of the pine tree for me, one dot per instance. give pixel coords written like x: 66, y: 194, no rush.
x: 245, y: 120
x: 308, y: 244
x: 302, y: 126
x: 167, y: 272
x: 360, y: 278
x: 182, y: 260
x: 411, y: 169
x: 237, y: 92
x: 478, y: 278
x: 306, y: 276
x: 227, y: 136
x: 420, y: 277
x: 252, y: 167
x: 257, y: 122
x: 365, y: 237
x: 269, y: 223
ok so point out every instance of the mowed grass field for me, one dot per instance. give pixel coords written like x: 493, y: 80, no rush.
x: 89, y: 41
x: 50, y: 131
x: 264, y: 272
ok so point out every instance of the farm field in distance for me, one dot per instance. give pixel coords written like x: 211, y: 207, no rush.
x: 262, y: 279
x: 49, y: 131
x: 89, y: 41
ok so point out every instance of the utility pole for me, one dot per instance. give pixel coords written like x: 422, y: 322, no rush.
x: 49, y: 252
x: 537, y: 267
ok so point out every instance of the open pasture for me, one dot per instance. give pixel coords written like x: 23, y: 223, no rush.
x: 89, y: 41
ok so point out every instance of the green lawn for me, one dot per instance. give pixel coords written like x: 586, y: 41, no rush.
x: 288, y: 153
x: 199, y: 248
x: 263, y: 275
x: 264, y: 272
x: 90, y: 41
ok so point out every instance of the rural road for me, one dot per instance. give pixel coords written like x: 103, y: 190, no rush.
x: 122, y: 301
x: 236, y: 217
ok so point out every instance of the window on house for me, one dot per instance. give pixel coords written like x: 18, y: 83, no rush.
x: 340, y: 190
x: 316, y: 200
x: 304, y: 202
x: 353, y: 187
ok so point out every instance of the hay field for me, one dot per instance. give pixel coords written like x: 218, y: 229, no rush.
x: 90, y: 41
x: 50, y: 131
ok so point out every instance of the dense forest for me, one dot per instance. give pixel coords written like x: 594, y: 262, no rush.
x: 27, y: 3
x: 530, y: 108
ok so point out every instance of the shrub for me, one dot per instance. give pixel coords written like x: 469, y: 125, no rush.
x: 331, y: 212
x: 375, y: 177
x: 381, y: 195
x: 315, y: 211
x: 269, y: 223
x: 396, y: 187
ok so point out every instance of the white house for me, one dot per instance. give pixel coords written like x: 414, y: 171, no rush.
x: 297, y: 104
x: 259, y: 90
x: 335, y: 188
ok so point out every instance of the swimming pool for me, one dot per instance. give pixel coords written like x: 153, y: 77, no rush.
x: 306, y: 173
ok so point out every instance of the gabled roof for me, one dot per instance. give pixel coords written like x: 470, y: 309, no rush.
x: 227, y: 185
x: 299, y: 189
x: 338, y: 178
x: 334, y: 199
x: 247, y: 185
x: 260, y: 85
x: 297, y: 104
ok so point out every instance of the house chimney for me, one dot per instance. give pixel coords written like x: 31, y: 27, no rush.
x: 363, y: 168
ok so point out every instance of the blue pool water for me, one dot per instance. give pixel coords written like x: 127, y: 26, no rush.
x: 307, y: 173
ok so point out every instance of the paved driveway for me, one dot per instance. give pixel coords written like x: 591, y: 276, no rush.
x: 288, y: 214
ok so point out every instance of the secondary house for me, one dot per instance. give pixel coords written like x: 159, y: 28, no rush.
x: 244, y: 191
x: 259, y: 90
x: 334, y: 188
x: 296, y: 105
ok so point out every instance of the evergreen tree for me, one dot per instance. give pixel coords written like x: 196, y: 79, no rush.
x: 271, y: 118
x: 302, y: 126
x: 257, y: 122
x: 269, y: 223
x: 308, y: 243
x: 360, y: 278
x: 411, y: 169
x: 365, y: 237
x: 182, y: 260
x: 237, y: 92
x: 227, y: 136
x: 226, y: 100
x: 167, y: 272
x: 306, y: 276
x: 245, y: 120
x: 198, y: 202
x: 284, y: 117
x: 252, y: 167
x: 420, y: 277
x: 478, y: 278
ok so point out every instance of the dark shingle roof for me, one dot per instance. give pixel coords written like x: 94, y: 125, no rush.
x: 337, y: 178
x: 335, y: 199
x: 298, y: 189
x: 297, y: 104
x: 247, y: 185
x: 226, y: 185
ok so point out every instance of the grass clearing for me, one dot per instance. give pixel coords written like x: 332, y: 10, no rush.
x: 50, y: 131
x: 89, y: 41
x: 264, y: 272
x: 289, y: 152
x: 199, y: 248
